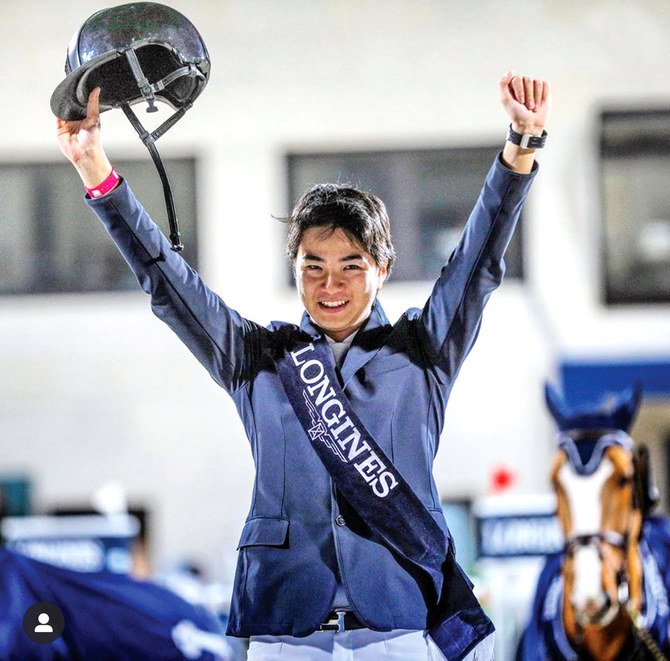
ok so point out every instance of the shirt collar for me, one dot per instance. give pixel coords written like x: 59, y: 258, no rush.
x: 346, y: 342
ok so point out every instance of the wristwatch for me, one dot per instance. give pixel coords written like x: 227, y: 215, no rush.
x: 526, y: 140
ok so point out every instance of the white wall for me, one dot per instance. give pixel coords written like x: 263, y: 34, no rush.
x: 93, y: 388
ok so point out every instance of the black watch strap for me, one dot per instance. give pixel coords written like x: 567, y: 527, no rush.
x: 526, y: 140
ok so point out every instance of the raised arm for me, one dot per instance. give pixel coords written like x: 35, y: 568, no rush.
x: 222, y: 340
x: 452, y: 315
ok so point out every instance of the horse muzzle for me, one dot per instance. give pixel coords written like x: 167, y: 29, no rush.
x: 595, y: 613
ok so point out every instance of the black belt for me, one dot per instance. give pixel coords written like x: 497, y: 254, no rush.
x: 339, y: 621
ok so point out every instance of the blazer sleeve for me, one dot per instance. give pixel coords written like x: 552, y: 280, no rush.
x: 222, y: 340
x: 452, y: 315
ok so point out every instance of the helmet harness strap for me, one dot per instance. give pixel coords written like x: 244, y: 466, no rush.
x: 149, y: 139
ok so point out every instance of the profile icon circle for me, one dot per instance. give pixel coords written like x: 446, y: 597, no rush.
x: 43, y: 622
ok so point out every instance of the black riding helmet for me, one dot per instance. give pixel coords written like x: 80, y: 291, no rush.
x: 135, y: 52
x: 171, y: 54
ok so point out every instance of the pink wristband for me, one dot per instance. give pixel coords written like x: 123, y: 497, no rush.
x: 106, y: 186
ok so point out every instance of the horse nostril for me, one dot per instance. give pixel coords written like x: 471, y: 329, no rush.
x: 592, y: 607
x: 593, y: 610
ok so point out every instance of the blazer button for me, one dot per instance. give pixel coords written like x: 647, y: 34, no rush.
x: 339, y: 519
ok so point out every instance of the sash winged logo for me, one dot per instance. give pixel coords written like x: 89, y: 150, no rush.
x: 318, y: 430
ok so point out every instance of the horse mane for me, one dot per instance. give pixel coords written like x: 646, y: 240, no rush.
x: 646, y: 494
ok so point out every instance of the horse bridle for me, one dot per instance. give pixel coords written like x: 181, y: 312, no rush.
x: 613, y: 538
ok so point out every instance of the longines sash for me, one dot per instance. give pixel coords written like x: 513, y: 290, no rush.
x: 372, y: 485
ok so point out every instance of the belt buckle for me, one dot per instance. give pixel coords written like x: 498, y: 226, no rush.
x: 334, y: 623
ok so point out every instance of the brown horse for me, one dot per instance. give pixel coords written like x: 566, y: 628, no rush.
x: 602, y: 565
x: 594, y: 600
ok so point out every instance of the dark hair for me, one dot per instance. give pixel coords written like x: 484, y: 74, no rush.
x: 362, y: 216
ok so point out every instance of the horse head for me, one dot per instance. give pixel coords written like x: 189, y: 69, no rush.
x: 603, y: 493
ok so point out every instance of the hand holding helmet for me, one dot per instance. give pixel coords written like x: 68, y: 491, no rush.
x: 121, y: 56
x: 81, y: 143
x: 141, y: 51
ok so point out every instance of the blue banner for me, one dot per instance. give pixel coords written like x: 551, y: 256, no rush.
x: 105, y: 616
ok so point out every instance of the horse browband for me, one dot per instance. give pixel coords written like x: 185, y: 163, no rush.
x: 608, y: 438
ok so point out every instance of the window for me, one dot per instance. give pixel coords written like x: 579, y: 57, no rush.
x: 429, y: 195
x: 53, y: 243
x: 635, y: 171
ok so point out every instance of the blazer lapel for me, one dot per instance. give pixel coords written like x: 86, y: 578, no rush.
x: 366, y: 343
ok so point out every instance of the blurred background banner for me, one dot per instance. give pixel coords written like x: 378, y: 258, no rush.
x: 105, y: 616
x: 80, y: 543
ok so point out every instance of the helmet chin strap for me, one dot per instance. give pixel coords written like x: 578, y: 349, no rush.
x: 149, y: 139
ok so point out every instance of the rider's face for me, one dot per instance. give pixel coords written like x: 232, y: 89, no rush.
x: 337, y: 280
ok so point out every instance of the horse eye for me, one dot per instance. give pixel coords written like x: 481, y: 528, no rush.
x: 624, y: 480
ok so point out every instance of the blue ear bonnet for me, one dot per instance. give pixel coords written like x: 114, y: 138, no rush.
x: 614, y: 412
x: 585, y: 455
x: 607, y: 424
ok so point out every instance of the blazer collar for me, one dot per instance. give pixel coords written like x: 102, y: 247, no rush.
x: 366, y: 341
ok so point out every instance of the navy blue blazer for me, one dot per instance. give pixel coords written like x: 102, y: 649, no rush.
x: 300, y: 538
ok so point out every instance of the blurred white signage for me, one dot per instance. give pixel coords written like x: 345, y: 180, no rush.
x: 517, y: 525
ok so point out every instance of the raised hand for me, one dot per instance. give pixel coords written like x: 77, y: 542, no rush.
x: 527, y: 101
x: 81, y: 143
